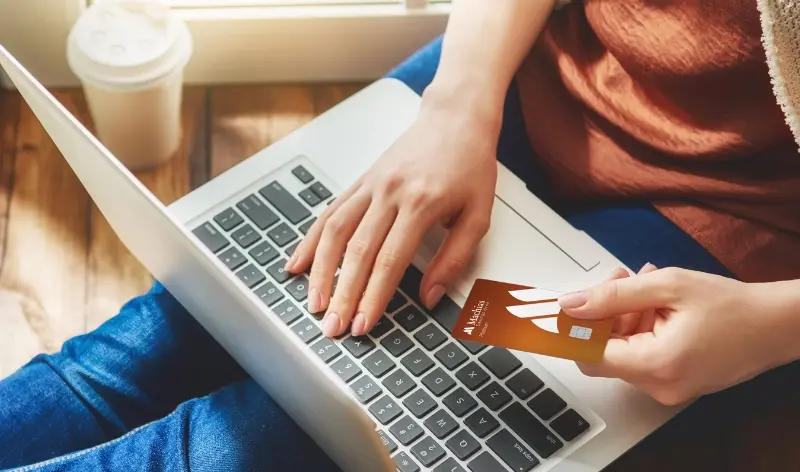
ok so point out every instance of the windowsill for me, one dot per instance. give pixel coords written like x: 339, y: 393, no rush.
x: 240, y: 44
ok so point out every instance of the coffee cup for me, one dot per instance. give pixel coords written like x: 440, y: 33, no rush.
x: 130, y: 57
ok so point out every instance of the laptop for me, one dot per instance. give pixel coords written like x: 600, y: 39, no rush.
x: 407, y: 396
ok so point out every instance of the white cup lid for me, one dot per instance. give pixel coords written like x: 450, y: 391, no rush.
x: 127, y: 44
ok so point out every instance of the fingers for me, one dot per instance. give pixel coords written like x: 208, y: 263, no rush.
x: 391, y: 262
x: 625, y: 359
x: 362, y: 249
x: 304, y: 253
x: 454, y: 254
x: 338, y: 230
x: 627, y: 324
x: 657, y: 289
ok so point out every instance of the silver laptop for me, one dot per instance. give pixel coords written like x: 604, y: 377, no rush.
x: 407, y: 396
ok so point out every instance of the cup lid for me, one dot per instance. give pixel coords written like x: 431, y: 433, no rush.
x: 127, y: 44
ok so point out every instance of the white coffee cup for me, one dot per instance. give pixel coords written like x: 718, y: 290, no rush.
x: 130, y: 56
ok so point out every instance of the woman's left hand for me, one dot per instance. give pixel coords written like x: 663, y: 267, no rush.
x: 680, y: 334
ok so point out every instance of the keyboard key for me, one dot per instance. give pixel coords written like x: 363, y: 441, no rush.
x: 397, y: 343
x: 385, y: 410
x: 228, y: 219
x: 430, y: 336
x: 287, y: 312
x: 570, y: 425
x: 419, y: 403
x: 269, y: 294
x: 309, y: 197
x: 319, y: 189
x: 383, y: 326
x: 346, y: 369
x: 210, y: 237
x: 481, y: 423
x: 307, y: 225
x: 405, y: 430
x: 399, y: 383
x: 232, y: 258
x: 410, y: 318
x: 531, y: 430
x: 427, y: 451
x: 264, y: 253
x: 463, y: 445
x: 390, y: 445
x: 494, y: 396
x: 472, y: 347
x: 547, y: 404
x: 282, y: 235
x: 246, y: 236
x: 397, y: 302
x: 417, y: 362
x: 277, y: 272
x: 358, y: 346
x: 257, y: 212
x: 449, y: 465
x: 405, y: 463
x: 441, y: 424
x: 485, y: 463
x: 499, y: 361
x: 306, y: 330
x: 514, y: 454
x: 472, y: 375
x: 451, y: 356
x: 290, y: 250
x: 365, y: 389
x: 460, y: 402
x: 250, y: 275
x: 378, y: 363
x: 524, y: 384
x: 287, y: 205
x: 298, y: 288
x: 438, y: 382
x: 301, y: 173
x: 326, y: 350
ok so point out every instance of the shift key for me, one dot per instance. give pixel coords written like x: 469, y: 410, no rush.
x: 285, y: 202
x: 531, y: 430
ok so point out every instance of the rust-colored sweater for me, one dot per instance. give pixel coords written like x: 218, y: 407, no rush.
x: 670, y: 101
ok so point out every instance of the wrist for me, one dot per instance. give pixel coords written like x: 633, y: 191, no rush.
x: 472, y: 99
x: 781, y: 306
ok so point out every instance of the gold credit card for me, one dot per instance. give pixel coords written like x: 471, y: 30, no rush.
x: 529, y: 319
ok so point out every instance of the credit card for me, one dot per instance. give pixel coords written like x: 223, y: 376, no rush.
x: 529, y: 319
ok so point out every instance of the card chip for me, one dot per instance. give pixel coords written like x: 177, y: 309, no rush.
x: 580, y: 332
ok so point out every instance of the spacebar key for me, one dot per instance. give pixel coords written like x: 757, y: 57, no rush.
x: 285, y: 202
x: 531, y: 430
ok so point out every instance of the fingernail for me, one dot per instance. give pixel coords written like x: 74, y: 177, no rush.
x: 314, y: 300
x: 359, y: 323
x: 648, y: 266
x: 434, y: 295
x: 573, y: 300
x: 290, y: 263
x: 330, y: 325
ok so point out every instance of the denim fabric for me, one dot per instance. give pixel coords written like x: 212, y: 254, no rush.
x: 150, y: 390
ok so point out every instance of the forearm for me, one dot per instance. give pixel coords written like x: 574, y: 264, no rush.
x: 779, y: 304
x: 484, y: 44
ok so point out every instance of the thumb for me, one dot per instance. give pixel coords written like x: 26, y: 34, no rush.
x: 648, y: 291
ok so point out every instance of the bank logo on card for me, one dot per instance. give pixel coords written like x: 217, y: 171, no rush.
x: 528, y: 319
x: 542, y: 308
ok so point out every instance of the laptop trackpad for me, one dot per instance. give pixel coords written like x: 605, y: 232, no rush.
x: 516, y: 251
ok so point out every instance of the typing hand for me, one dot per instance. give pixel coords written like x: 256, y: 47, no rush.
x: 442, y: 169
x: 680, y: 334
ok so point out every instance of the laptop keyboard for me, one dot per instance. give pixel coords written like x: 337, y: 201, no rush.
x: 438, y: 403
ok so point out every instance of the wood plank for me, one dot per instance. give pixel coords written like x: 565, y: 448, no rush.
x: 115, y: 275
x: 44, y: 269
x: 246, y: 119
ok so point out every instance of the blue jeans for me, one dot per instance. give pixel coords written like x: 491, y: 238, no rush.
x: 150, y: 390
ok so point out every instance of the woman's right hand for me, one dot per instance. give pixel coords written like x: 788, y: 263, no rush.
x: 441, y: 170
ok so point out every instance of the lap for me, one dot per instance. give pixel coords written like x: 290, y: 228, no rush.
x: 236, y: 428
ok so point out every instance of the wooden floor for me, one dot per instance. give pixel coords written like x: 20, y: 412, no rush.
x: 63, y: 271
